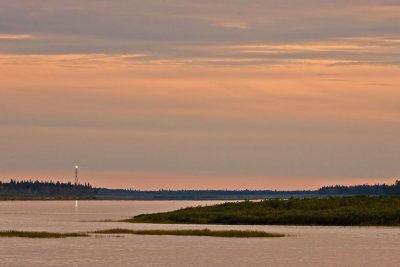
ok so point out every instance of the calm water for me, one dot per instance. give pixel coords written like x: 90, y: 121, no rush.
x: 305, y: 246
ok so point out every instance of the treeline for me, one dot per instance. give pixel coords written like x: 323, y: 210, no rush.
x: 45, y: 190
x: 104, y: 193
x: 336, y: 190
x: 367, y: 190
x: 29, y: 189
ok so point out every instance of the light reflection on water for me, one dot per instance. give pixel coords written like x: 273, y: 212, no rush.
x: 305, y: 246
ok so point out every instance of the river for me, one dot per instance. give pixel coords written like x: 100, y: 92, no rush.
x: 304, y: 246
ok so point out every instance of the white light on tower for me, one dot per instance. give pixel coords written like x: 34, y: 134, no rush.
x: 76, y: 175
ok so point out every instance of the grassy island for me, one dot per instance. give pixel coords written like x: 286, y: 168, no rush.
x: 339, y: 211
x: 203, y: 232
x: 31, y: 234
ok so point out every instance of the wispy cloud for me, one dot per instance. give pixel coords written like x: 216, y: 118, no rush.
x: 5, y: 36
x: 242, y: 25
x: 372, y: 50
x: 351, y: 50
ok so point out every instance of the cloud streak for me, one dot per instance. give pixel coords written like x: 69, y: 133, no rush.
x: 4, y: 36
x: 160, y: 28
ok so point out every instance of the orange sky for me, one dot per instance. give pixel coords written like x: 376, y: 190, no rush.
x: 140, y: 124
x: 165, y: 94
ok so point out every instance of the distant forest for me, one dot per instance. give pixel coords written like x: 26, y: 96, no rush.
x: 27, y: 190
x: 378, y: 189
x: 45, y: 190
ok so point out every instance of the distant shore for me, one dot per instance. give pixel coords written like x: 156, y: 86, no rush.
x: 42, y: 190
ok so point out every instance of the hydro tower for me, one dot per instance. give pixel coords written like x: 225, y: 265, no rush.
x: 76, y: 175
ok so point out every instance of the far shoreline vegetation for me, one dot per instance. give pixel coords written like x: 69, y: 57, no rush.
x: 39, y: 190
x: 202, y: 232
x: 330, y: 211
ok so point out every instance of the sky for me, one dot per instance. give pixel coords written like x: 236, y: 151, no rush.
x: 200, y: 94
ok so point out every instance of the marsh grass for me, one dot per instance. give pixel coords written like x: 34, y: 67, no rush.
x: 28, y: 234
x: 338, y: 211
x: 203, y: 232
x: 120, y: 232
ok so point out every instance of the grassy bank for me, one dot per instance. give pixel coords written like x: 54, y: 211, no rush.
x: 340, y: 211
x: 28, y: 234
x: 203, y: 232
